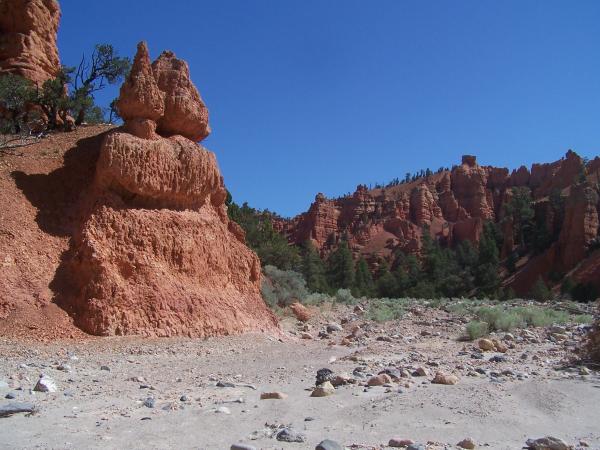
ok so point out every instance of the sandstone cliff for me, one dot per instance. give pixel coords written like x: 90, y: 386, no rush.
x: 454, y: 205
x: 28, y: 38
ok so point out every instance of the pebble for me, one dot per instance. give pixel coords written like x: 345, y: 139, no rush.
x: 397, y: 442
x: 106, y: 368
x: 290, y: 435
x: 324, y: 375
x: 379, y: 380
x: 547, y: 443
x: 223, y: 410
x: 183, y: 398
x: 323, y: 390
x: 10, y: 396
x: 485, y: 344
x: 416, y: 447
x: 45, y: 384
x: 328, y: 444
x: 242, y: 447
x: 273, y: 396
x: 444, y: 378
x: 333, y: 327
x: 149, y: 402
x: 467, y: 443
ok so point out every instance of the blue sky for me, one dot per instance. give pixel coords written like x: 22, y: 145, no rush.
x: 319, y: 95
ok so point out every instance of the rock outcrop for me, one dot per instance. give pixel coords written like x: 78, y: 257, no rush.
x: 28, y: 31
x: 156, y: 254
x: 453, y: 205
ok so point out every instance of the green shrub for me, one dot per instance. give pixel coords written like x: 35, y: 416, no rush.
x: 283, y: 287
x: 386, y: 309
x: 541, y: 317
x: 509, y: 321
x: 476, y: 329
x: 345, y: 296
x: 582, y: 318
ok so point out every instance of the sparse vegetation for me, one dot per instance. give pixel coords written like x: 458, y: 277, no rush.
x: 386, y: 309
x: 476, y: 329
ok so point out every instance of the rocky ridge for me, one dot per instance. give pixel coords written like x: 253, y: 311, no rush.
x: 454, y: 205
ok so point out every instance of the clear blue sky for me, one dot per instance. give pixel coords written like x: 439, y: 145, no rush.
x: 318, y: 95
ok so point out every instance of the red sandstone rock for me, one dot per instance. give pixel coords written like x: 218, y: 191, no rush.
x: 156, y: 254
x: 140, y: 97
x: 185, y: 112
x: 28, y: 38
x: 301, y: 312
x: 580, y: 226
x: 454, y: 205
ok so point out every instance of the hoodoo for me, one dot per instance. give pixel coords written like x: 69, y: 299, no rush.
x: 156, y: 253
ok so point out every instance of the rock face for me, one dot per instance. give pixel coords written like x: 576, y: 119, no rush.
x: 28, y: 38
x: 155, y: 254
x: 454, y: 205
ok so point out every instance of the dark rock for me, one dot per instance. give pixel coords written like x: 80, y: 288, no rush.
x: 290, y: 435
x: 324, y: 375
x: 328, y: 444
x: 149, y: 402
x: 15, y: 408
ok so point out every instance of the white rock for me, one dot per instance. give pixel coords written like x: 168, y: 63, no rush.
x: 45, y: 384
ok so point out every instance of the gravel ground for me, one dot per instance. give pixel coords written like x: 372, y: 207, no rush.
x: 104, y: 387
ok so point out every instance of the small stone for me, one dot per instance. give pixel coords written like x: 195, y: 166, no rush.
x: 223, y: 410
x: 324, y: 375
x: 397, y: 442
x: 149, y: 402
x: 64, y: 368
x: 420, y: 372
x: 333, y: 327
x: 547, y: 443
x: 467, y: 443
x: 10, y: 396
x: 305, y: 335
x: 444, y: 378
x: 498, y: 358
x: 273, y: 396
x: 45, y: 384
x: 290, y: 435
x: 328, y: 444
x: 485, y: 344
x: 15, y: 408
x: 379, y: 380
x: 323, y: 390
x: 241, y: 446
x: 416, y: 447
x: 183, y: 398
x: 105, y: 368
x: 499, y: 346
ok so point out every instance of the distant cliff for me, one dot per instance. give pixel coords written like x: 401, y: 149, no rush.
x: 453, y: 205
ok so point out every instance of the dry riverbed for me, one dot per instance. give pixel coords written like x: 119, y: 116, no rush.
x: 206, y: 394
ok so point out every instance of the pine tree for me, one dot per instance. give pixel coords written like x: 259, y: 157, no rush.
x: 363, y: 283
x: 386, y: 282
x: 540, y: 291
x: 313, y: 269
x: 340, y: 267
x: 486, y: 274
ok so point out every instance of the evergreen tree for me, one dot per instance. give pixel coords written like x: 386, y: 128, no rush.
x: 519, y: 209
x: 313, y: 269
x: 386, y: 282
x: 486, y: 274
x: 363, y: 283
x: 340, y: 267
x: 540, y: 291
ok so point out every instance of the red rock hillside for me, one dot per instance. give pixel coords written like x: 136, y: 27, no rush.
x: 28, y: 38
x: 454, y: 204
x: 151, y: 250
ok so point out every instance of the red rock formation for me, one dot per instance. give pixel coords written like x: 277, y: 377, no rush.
x: 157, y: 255
x: 185, y: 113
x: 455, y: 205
x: 28, y: 38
